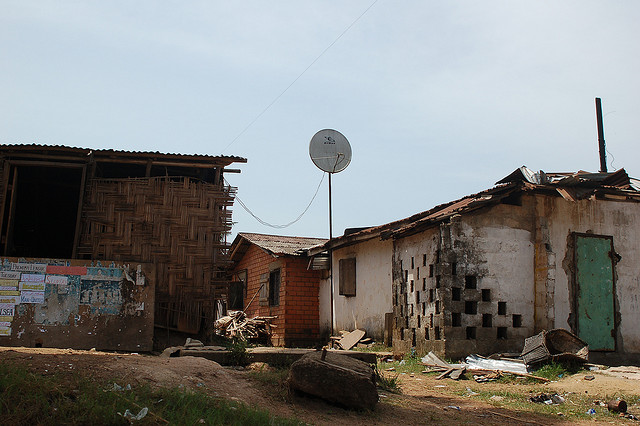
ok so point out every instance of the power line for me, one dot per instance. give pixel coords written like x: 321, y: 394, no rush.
x: 244, y: 206
x: 298, y: 77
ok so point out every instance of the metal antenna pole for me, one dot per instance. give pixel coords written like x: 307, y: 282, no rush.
x: 331, y: 254
x: 603, y: 152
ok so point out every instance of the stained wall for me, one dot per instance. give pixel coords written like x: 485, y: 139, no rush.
x: 74, y: 304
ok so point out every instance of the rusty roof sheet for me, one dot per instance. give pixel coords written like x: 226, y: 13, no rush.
x: 572, y: 186
x: 84, y: 152
x: 618, y: 179
x: 279, y: 245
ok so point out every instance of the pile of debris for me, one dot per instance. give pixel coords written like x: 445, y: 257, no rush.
x: 552, y: 345
x: 348, y: 340
x: 236, y: 325
x: 482, y: 369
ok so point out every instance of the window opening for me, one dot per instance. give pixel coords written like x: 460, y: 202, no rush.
x: 486, y: 320
x: 470, y: 281
x: 456, y: 293
x: 470, y: 307
x: 347, y: 278
x: 456, y: 319
x: 517, y: 320
x: 274, y: 287
x: 471, y: 333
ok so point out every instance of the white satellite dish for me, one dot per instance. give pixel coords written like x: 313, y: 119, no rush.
x: 330, y: 151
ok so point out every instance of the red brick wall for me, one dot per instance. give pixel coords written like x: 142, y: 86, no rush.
x: 298, y: 312
x: 302, y: 318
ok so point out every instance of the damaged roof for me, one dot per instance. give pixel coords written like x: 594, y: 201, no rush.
x: 275, y: 245
x: 571, y: 186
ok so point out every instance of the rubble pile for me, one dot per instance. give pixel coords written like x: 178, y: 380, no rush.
x: 236, y: 325
x: 347, y: 340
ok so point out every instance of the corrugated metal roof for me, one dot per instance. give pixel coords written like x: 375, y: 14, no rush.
x: 282, y: 245
x: 572, y: 186
x: 62, y: 149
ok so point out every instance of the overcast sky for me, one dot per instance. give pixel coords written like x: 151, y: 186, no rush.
x: 439, y: 99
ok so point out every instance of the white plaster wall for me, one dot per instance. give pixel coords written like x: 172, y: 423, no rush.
x: 620, y: 220
x: 508, y: 270
x: 501, y: 257
x: 373, y: 290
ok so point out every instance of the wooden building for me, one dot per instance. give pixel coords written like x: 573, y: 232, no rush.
x: 170, y: 211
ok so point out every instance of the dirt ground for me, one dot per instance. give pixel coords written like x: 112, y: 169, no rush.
x: 423, y: 400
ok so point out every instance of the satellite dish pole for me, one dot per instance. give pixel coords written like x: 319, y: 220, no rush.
x: 330, y: 152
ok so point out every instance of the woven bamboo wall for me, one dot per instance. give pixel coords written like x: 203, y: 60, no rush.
x: 178, y: 224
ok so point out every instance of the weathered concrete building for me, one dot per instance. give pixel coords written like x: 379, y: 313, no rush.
x: 480, y: 274
x: 362, y: 284
x: 271, y: 278
x: 115, y: 244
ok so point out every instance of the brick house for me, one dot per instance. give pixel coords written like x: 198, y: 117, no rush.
x: 271, y: 278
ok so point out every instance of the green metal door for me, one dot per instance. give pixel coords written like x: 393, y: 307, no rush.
x: 595, y: 307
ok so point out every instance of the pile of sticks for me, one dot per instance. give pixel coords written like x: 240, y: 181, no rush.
x: 236, y: 325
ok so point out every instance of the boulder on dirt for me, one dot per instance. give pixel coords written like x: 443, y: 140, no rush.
x: 337, y: 379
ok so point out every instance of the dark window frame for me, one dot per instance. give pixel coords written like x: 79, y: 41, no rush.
x: 275, y: 279
x: 347, y: 277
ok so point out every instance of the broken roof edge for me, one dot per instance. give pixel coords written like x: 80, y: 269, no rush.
x: 81, y: 153
x: 618, y: 179
x: 522, y: 179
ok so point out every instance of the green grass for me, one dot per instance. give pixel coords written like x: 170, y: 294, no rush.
x: 27, y: 398
x: 376, y: 347
x: 407, y: 365
x: 575, y: 406
x: 556, y: 370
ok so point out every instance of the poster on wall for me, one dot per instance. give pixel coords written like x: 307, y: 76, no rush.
x: 31, y: 286
x: 32, y: 297
x: 7, y: 310
x: 32, y: 278
x: 10, y: 275
x: 29, y: 267
x: 57, y: 280
x: 9, y: 300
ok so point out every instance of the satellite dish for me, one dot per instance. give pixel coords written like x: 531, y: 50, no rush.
x: 330, y: 151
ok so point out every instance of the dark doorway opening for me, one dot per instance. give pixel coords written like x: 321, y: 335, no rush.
x: 41, y: 211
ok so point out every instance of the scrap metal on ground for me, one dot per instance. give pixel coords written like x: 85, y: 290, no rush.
x: 552, y: 345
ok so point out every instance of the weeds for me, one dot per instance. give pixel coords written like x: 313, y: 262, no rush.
x: 389, y: 384
x: 238, y: 352
x: 29, y: 398
x: 556, y: 370
x: 376, y: 347
x: 407, y: 365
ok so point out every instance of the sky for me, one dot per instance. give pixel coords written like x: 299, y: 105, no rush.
x: 438, y: 99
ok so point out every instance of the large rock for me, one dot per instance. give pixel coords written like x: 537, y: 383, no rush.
x: 338, y: 379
